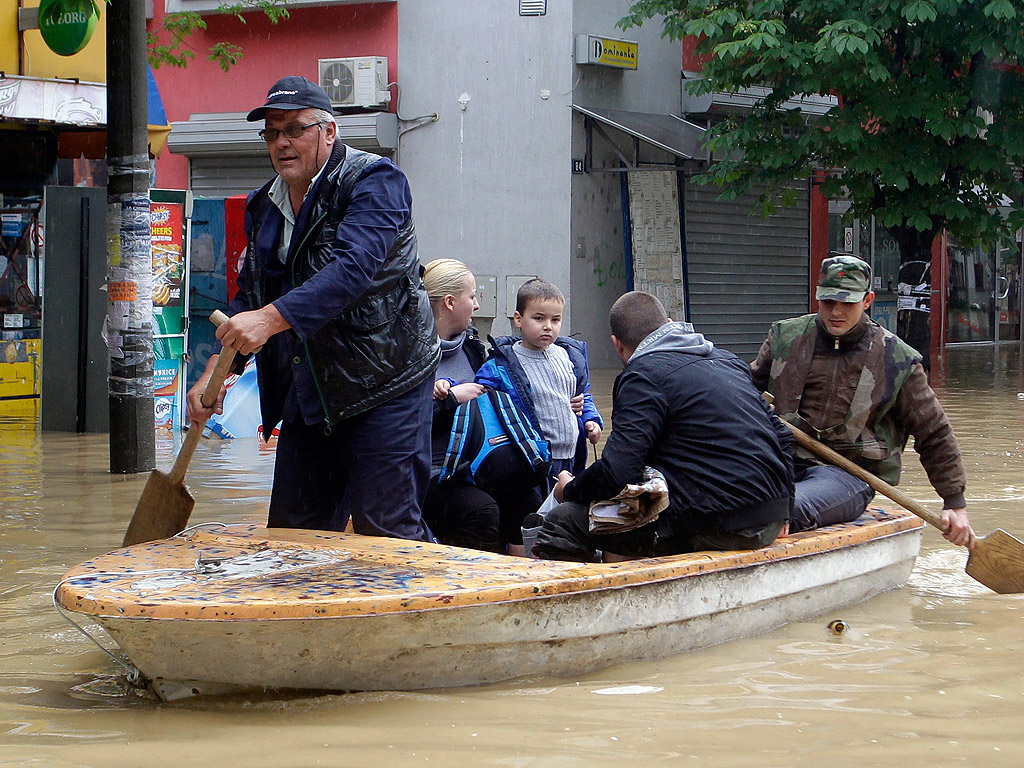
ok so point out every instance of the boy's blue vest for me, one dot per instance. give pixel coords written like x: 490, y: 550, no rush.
x: 494, y: 444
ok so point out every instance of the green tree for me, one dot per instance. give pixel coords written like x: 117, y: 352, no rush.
x: 169, y: 42
x: 929, y: 132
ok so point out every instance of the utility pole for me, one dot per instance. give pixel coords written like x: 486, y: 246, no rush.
x: 129, y: 323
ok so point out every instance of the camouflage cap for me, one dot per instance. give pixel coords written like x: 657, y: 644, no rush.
x: 843, y: 278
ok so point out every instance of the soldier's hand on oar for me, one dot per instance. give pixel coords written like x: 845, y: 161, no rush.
x: 957, y: 528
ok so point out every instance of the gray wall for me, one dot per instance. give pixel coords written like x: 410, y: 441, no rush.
x: 493, y: 184
x: 654, y: 86
x: 598, y: 263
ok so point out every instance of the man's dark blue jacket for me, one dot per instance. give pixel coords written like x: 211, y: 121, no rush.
x: 362, y: 331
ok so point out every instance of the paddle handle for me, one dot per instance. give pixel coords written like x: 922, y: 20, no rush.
x: 220, y: 372
x: 877, y: 483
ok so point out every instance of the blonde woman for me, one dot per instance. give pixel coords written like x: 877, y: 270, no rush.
x: 457, y: 511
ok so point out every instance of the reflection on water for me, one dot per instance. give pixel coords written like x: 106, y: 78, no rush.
x: 928, y: 675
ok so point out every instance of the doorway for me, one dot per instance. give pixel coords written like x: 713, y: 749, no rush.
x: 871, y: 242
x: 984, y: 303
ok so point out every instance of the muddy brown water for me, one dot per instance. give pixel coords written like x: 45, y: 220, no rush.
x: 928, y: 675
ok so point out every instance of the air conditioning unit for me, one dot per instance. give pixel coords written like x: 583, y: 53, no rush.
x: 360, y: 81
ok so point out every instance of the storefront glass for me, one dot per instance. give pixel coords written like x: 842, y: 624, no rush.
x: 984, y: 293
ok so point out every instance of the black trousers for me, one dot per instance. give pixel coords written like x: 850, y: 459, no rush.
x: 372, y: 468
x: 461, y: 514
x: 566, y: 536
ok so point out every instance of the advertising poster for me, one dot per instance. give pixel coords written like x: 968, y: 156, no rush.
x: 166, y: 389
x: 167, y: 230
x: 168, y: 393
x: 170, y: 212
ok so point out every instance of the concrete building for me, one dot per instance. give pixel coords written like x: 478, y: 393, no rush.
x: 524, y: 159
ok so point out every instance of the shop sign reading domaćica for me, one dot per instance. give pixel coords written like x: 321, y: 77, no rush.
x: 67, y: 25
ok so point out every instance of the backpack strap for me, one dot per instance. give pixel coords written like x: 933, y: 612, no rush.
x: 473, y: 436
x: 457, y: 441
x: 523, y: 434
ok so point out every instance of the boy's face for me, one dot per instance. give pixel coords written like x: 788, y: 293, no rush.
x: 540, y: 323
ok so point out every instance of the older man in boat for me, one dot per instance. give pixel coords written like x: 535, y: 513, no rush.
x: 332, y: 302
x: 690, y: 411
x: 854, y: 386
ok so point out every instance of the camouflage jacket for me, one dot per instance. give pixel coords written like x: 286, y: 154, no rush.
x: 862, y: 394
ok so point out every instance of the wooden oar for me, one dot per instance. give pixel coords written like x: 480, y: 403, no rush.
x: 997, y: 560
x: 165, y: 505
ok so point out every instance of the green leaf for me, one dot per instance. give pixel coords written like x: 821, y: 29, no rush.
x: 703, y: 26
x: 1000, y: 9
x: 920, y: 10
x: 920, y: 222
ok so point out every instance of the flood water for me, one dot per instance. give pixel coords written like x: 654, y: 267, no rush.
x: 929, y: 675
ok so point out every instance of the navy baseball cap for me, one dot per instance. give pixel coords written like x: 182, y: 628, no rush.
x: 293, y: 92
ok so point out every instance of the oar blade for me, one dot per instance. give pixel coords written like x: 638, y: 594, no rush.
x: 997, y: 561
x: 163, y: 510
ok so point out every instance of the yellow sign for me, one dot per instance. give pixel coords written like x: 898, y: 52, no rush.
x: 606, y: 51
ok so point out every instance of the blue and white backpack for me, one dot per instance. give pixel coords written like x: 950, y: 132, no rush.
x: 495, y: 445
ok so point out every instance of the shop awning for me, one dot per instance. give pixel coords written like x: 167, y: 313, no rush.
x: 667, y: 132
x: 78, y: 110
x: 229, y: 133
x: 157, y: 117
x: 46, y: 100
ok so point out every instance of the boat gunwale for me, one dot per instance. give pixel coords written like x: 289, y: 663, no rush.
x: 577, y: 578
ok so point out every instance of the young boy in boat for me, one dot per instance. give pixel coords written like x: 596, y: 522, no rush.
x: 860, y: 390
x: 547, y: 376
x: 690, y: 411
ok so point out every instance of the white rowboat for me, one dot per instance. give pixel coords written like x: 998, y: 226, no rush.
x: 222, y: 610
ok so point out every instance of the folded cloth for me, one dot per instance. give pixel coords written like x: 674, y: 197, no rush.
x: 635, y: 505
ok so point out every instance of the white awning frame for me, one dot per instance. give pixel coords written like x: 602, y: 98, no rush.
x: 50, y: 100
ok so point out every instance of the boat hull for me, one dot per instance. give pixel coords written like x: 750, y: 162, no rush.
x: 570, y: 622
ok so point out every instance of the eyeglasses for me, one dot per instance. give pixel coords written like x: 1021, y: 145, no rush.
x: 290, y: 131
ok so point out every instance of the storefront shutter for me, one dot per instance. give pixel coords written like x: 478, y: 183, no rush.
x: 223, y: 176
x: 744, y: 271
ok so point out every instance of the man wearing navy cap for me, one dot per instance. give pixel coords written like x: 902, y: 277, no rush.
x: 332, y: 303
x: 857, y: 388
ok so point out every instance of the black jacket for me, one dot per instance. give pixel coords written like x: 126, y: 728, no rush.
x: 691, y: 411
x: 380, y: 345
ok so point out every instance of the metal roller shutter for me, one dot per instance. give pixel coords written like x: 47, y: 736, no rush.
x: 744, y: 271
x: 223, y: 176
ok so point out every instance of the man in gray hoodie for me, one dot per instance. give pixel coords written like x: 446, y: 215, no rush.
x: 690, y: 411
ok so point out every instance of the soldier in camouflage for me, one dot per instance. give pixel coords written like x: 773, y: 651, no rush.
x: 859, y: 389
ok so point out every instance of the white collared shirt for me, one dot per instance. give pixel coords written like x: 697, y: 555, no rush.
x: 279, y: 196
